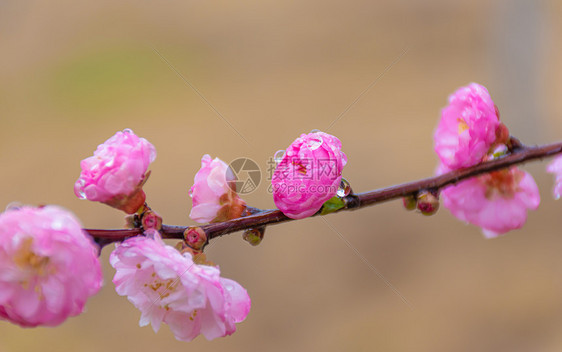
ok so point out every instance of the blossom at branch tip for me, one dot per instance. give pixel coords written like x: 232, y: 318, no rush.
x: 555, y: 167
x: 168, y: 287
x: 214, y: 193
x: 48, y: 266
x: 114, y: 175
x: 308, y: 175
x: 468, y: 128
x: 497, y: 202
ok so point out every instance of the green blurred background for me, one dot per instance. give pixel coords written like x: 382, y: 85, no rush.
x: 72, y: 73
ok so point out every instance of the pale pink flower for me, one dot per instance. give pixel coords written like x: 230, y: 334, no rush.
x: 555, y: 167
x: 308, y: 175
x: 497, y: 202
x: 214, y: 193
x: 467, y: 129
x: 48, y: 266
x: 114, y: 175
x: 168, y: 287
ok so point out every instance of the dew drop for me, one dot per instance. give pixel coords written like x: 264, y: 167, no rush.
x: 110, y: 162
x: 14, y: 206
x: 128, y: 130
x: 315, y: 131
x: 80, y: 189
x: 278, y: 156
x: 314, y: 142
x: 344, y: 189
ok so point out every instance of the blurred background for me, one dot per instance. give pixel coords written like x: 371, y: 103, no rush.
x: 72, y: 73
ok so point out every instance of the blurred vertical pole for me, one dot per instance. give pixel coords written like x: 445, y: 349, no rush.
x: 517, y: 55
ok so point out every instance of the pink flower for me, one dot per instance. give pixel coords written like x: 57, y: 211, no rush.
x: 497, y: 202
x: 555, y: 167
x: 114, y: 175
x: 214, y: 193
x: 308, y: 174
x: 48, y: 266
x: 467, y: 129
x: 169, y: 287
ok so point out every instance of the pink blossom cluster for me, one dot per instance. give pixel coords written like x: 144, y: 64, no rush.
x: 214, y: 193
x: 169, y: 287
x: 49, y: 266
x: 308, y: 175
x: 114, y: 175
x: 469, y: 133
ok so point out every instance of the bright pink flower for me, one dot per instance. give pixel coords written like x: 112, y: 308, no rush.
x: 214, y: 193
x: 308, y: 174
x: 169, y: 287
x: 114, y: 175
x: 555, y: 167
x: 48, y: 266
x: 497, y: 202
x: 467, y: 128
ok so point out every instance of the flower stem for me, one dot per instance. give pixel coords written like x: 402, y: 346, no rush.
x: 520, y: 154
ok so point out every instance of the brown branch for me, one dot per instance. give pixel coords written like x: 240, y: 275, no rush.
x: 520, y: 155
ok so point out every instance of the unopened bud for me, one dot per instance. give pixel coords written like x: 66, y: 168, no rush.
x: 254, y: 236
x: 151, y: 220
x: 195, y: 237
x: 410, y: 202
x: 428, y: 203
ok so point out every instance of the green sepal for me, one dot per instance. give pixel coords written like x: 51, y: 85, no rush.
x: 333, y: 204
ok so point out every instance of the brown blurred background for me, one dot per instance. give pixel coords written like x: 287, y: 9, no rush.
x: 74, y: 72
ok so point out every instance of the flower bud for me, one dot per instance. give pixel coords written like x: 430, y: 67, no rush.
x: 308, y: 174
x: 195, y: 237
x: 151, y: 220
x: 428, y: 203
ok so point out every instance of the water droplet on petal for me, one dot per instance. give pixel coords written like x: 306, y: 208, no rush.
x: 128, y: 130
x: 344, y: 189
x: 315, y: 131
x: 314, y: 142
x: 80, y: 189
x: 278, y: 156
x: 14, y: 206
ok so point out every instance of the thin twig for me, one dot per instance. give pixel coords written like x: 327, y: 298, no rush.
x: 521, y: 154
